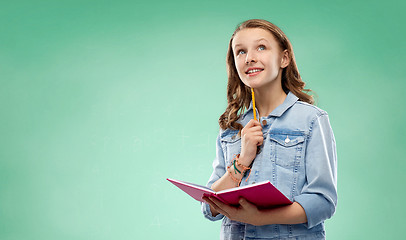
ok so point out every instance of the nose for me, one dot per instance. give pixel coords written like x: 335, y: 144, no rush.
x: 250, y: 57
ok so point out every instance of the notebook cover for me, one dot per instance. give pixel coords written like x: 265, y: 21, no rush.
x: 194, y: 190
x: 263, y: 195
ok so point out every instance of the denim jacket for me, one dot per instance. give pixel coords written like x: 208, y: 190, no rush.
x: 298, y: 156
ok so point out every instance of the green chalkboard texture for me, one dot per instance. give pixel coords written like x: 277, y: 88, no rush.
x: 101, y: 101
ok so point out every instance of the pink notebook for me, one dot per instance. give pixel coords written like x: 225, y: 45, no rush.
x: 263, y: 194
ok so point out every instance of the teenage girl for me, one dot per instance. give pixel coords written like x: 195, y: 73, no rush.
x: 290, y: 144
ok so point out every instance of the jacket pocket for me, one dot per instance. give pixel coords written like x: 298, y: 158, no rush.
x: 287, y: 147
x: 231, y: 144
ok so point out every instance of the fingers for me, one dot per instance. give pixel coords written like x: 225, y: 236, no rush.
x: 246, y: 212
x: 260, y: 140
x: 253, y: 135
x: 245, y: 204
x: 255, y: 129
x: 251, y: 130
x: 253, y: 123
x: 217, y: 205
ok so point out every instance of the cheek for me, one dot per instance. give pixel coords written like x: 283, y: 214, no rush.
x: 240, y: 68
x: 275, y: 62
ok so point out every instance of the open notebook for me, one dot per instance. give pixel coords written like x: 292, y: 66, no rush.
x: 263, y: 194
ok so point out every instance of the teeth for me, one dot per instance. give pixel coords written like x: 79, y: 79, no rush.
x: 254, y: 70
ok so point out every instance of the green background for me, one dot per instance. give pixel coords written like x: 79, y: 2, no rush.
x: 101, y: 101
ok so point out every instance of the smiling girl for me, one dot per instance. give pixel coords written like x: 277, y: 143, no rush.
x: 291, y: 144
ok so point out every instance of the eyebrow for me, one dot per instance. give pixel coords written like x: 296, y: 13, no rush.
x: 237, y: 45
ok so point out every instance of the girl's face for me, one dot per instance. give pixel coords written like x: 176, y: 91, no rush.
x: 258, y: 58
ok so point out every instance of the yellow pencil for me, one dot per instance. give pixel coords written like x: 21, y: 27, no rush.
x: 253, y: 104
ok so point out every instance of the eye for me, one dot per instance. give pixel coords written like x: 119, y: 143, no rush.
x: 261, y: 48
x: 239, y: 52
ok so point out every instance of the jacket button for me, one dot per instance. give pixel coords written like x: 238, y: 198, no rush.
x: 264, y: 122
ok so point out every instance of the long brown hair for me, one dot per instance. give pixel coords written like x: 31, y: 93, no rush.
x: 239, y: 95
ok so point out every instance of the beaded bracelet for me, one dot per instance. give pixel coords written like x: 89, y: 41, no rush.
x: 239, y: 164
x: 234, y: 178
x: 235, y: 168
x: 245, y: 168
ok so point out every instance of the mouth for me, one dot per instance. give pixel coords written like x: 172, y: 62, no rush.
x: 253, y: 71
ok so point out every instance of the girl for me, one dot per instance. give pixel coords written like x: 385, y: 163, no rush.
x: 291, y: 144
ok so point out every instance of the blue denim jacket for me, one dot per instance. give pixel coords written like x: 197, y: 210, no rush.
x: 298, y: 156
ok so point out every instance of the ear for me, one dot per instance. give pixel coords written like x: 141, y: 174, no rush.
x: 285, y: 59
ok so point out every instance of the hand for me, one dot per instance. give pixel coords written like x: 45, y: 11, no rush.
x: 246, y: 212
x: 251, y: 138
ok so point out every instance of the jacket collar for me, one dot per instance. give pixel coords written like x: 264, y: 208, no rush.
x: 278, y: 111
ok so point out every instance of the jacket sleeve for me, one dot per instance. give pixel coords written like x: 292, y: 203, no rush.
x: 219, y: 169
x: 319, y: 195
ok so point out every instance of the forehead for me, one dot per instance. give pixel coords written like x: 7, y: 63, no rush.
x: 252, y: 35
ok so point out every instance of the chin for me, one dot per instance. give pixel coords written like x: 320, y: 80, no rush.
x: 252, y: 84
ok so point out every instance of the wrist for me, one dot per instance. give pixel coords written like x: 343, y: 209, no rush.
x: 235, y: 176
x: 243, y: 160
x: 236, y: 170
x: 260, y: 219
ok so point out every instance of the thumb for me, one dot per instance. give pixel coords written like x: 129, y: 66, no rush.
x: 244, y: 203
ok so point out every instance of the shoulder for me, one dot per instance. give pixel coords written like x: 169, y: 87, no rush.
x: 308, y: 109
x: 305, y: 111
x: 301, y: 116
x: 315, y: 116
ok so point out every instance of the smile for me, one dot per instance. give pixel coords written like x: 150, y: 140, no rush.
x: 254, y: 71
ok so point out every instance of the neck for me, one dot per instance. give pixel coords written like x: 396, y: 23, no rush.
x: 268, y: 99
